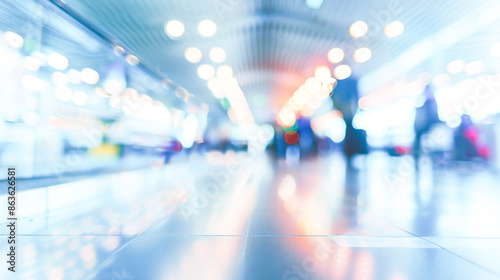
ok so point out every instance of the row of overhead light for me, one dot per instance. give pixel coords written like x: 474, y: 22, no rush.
x: 194, y: 55
x: 363, y: 54
x: 458, y: 66
x: 175, y: 28
x: 308, y: 97
x: 221, y: 82
x: 224, y: 87
x: 61, y: 78
x: 58, y: 78
x: 311, y: 94
x: 205, y: 71
x: 454, y: 67
x: 391, y: 30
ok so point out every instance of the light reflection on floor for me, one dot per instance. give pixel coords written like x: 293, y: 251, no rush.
x: 233, y: 217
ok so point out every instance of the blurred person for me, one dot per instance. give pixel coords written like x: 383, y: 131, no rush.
x: 466, y: 138
x: 426, y: 117
x: 307, y: 140
x: 345, y: 97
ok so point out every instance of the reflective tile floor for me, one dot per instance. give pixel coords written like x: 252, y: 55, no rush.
x: 249, y: 217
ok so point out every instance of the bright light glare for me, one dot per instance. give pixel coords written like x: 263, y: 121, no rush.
x: 301, y: 96
x: 90, y: 76
x: 59, y: 79
x: 322, y: 73
x: 217, y: 55
x: 455, y: 66
x: 362, y: 55
x: 74, y: 76
x: 63, y: 93
x: 189, y: 133
x: 57, y: 61
x: 287, y: 187
x: 206, y: 72
x: 335, y: 55
x: 13, y: 39
x: 441, y: 80
x: 34, y: 83
x: 230, y: 84
x: 174, y: 28
x: 207, y: 28
x: 313, y: 85
x: 193, y: 55
x: 358, y: 29
x: 79, y: 98
x: 286, y: 117
x: 225, y: 72
x: 394, y: 29
x: 342, y: 72
x: 31, y: 63
x: 42, y: 58
x: 114, y: 87
x: 119, y: 51
x: 474, y: 68
x: 132, y: 59
x: 215, y: 84
x: 336, y: 130
x: 495, y: 50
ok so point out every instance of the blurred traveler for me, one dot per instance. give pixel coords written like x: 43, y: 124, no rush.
x: 345, y: 97
x: 426, y: 117
x: 467, y: 145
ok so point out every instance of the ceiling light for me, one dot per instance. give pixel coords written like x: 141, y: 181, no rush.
x: 313, y: 85
x: 193, y: 55
x: 394, y: 29
x: 322, y: 73
x: 358, y: 29
x: 474, y: 68
x: 225, y: 71
x: 119, y: 51
x: 59, y: 79
x: 455, y: 66
x: 206, y: 72
x: 207, y: 28
x: 362, y: 55
x: 217, y: 55
x: 31, y: 63
x: 174, y: 28
x: 57, y: 61
x: 132, y: 59
x: 74, y: 76
x: 63, y: 93
x: 342, y: 72
x: 13, y: 39
x: 335, y: 55
x: 214, y: 84
x: 79, y: 98
x: 90, y: 76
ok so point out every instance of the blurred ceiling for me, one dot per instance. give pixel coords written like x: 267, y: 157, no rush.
x: 273, y: 46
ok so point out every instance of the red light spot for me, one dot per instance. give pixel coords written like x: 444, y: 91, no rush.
x: 292, y: 137
x: 172, y: 146
x: 401, y: 150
